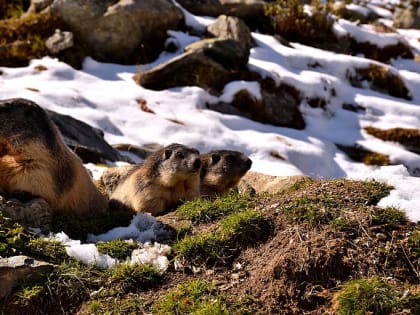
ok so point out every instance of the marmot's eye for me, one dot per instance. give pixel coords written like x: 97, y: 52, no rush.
x: 180, y: 155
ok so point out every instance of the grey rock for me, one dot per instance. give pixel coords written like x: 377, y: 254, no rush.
x: 125, y: 31
x: 59, y: 41
x: 140, y: 151
x: 86, y: 141
x: 279, y: 107
x: 209, y: 64
x: 263, y: 183
x: 229, y: 27
x: 35, y: 213
x: 20, y: 270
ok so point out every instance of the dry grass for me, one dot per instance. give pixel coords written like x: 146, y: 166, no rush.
x: 409, y: 138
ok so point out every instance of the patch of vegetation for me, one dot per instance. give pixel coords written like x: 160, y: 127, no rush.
x: 118, y: 249
x: 409, y: 138
x: 111, y: 305
x: 206, y: 210
x: 199, y: 297
x: 27, y: 295
x: 414, y: 242
x: 203, y: 248
x: 245, y: 227
x: 362, y: 296
x: 360, y: 154
x: 23, y: 39
x: 327, y: 205
x: 381, y: 79
x: 290, y: 20
x: 236, y: 230
x: 131, y: 277
x: 12, y: 237
x: 389, y: 217
x: 50, y: 250
x: 12, y: 8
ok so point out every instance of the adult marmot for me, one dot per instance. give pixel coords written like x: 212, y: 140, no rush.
x: 34, y: 159
x: 165, y: 179
x: 221, y: 170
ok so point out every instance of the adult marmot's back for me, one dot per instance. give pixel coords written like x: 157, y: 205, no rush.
x: 34, y: 159
x: 165, y: 179
x: 221, y: 170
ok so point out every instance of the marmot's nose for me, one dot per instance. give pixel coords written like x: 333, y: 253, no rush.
x: 248, y: 163
x: 197, y: 163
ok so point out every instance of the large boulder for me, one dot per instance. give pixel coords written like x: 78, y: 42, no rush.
x: 20, y: 271
x: 86, y: 141
x: 209, y: 64
x: 125, y: 31
x: 262, y: 183
x: 277, y: 106
x: 230, y: 27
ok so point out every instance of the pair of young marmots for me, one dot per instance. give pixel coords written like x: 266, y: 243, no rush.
x: 177, y: 173
x: 34, y: 159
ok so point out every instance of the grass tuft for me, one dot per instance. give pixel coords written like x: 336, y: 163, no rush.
x: 245, y: 227
x: 205, y: 210
x: 118, y: 249
x: 199, y: 297
x: 389, y: 218
x: 366, y: 296
x: 203, y: 249
x: 133, y: 277
x: 50, y: 250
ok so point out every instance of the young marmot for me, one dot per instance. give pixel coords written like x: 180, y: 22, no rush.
x: 35, y: 160
x: 165, y: 179
x: 221, y: 170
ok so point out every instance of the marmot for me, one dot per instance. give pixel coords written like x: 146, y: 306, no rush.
x: 166, y: 178
x: 34, y: 159
x: 221, y: 170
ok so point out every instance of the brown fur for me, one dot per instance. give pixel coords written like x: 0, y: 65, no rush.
x: 166, y: 178
x: 222, y: 170
x: 34, y: 159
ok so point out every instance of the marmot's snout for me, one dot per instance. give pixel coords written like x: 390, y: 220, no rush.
x: 248, y: 164
x: 197, y: 164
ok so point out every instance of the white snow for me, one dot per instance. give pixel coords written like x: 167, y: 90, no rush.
x: 104, y: 96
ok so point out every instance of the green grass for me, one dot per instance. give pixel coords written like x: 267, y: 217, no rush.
x: 366, y: 296
x: 50, y: 250
x: 236, y: 230
x: 245, y: 227
x: 109, y: 305
x: 12, y: 237
x: 118, y: 249
x: 199, y: 297
x: 414, y: 242
x: 389, y: 218
x: 205, y: 210
x: 132, y: 277
x: 203, y: 249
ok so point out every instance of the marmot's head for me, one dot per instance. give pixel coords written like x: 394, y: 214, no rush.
x: 224, y: 168
x: 176, y: 162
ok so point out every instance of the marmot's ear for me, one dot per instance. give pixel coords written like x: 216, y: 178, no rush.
x: 215, y: 158
x: 167, y: 154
